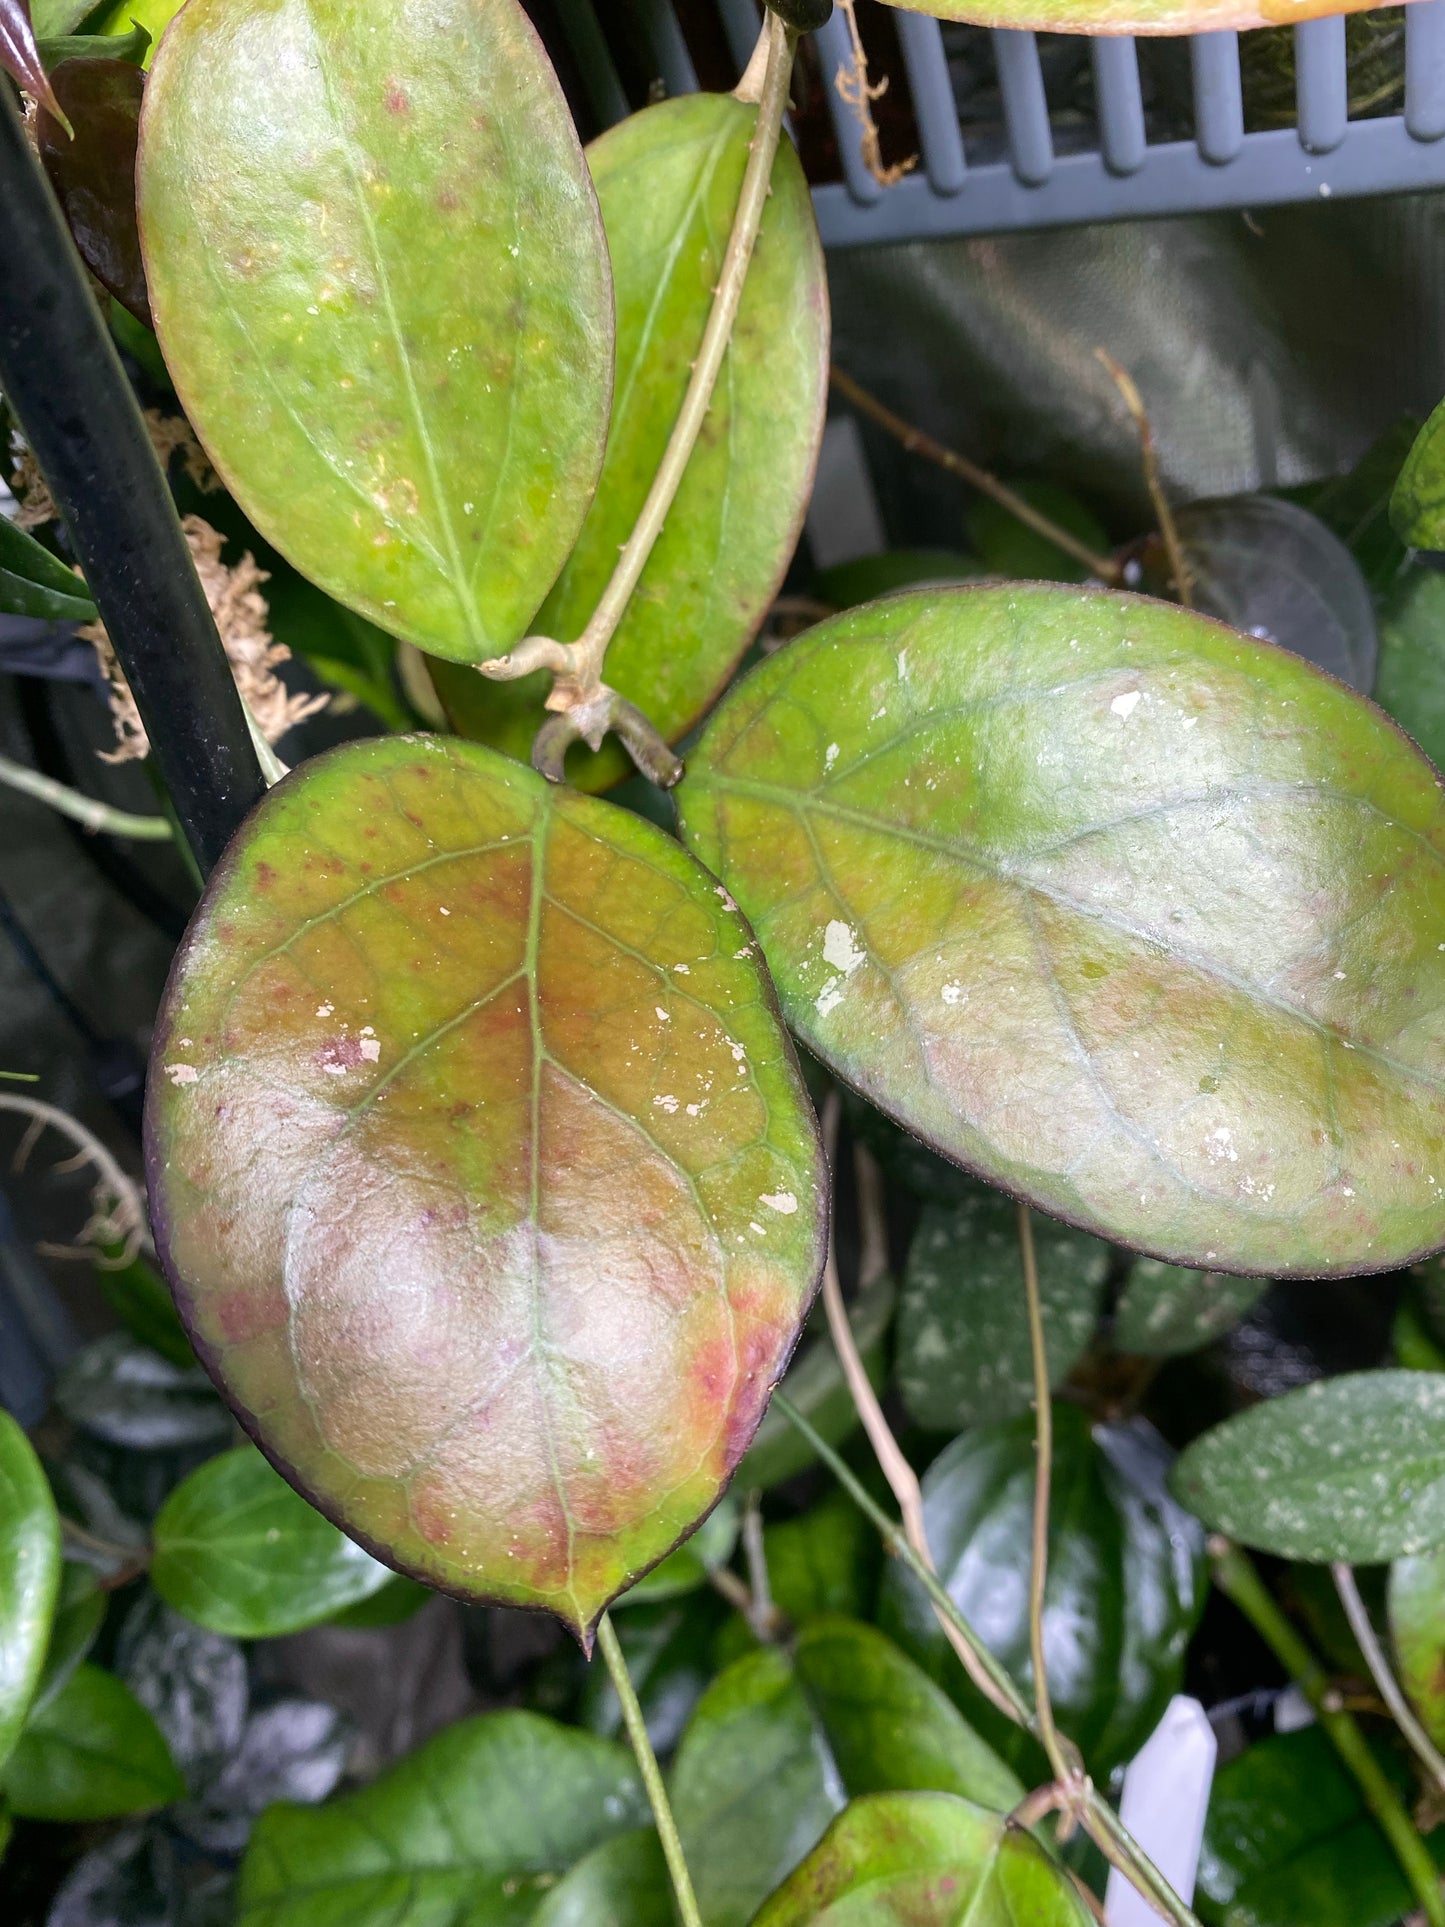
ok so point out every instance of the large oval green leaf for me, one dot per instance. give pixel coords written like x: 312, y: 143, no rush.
x: 1351, y: 1468
x: 668, y: 180
x: 781, y: 1740
x: 1138, y: 917
x: 379, y: 277
x: 622, y: 1883
x: 1125, y: 1584
x: 1417, y: 506
x: 482, y: 1168
x: 471, y: 1830
x: 964, y: 1356
x: 237, y: 1551
x: 924, y: 1860
x: 29, y: 1577
x: 92, y: 1753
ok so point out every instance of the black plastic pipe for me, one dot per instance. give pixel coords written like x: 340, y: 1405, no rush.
x: 62, y: 377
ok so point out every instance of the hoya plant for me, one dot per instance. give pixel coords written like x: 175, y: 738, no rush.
x: 1085, y: 950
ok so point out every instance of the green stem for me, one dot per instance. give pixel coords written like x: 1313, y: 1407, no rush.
x: 651, y: 1772
x: 86, y: 810
x: 1237, y: 1576
x: 1099, y: 1818
x: 1043, y: 1479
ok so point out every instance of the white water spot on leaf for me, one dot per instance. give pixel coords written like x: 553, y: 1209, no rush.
x: 830, y: 756
x: 829, y: 997
x: 1220, y: 1145
x: 324, y: 1010
x: 1125, y: 705
x: 781, y: 1201
x: 954, y: 993
x: 840, y: 947
x: 371, y: 1049
x: 666, y: 1103
x: 662, y: 1013
x: 727, y: 901
x: 182, y: 1073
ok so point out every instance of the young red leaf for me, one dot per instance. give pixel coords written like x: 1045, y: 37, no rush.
x: 93, y: 170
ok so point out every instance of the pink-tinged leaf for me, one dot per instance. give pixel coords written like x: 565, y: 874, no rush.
x: 20, y: 57
x: 93, y: 170
x: 482, y: 1169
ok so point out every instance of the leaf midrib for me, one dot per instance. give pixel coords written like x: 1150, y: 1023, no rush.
x: 1001, y: 871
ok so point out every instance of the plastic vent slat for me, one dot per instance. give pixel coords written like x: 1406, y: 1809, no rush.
x: 1425, y: 69
x: 1218, y: 96
x: 669, y: 49
x: 835, y: 50
x: 741, y: 24
x: 1122, y: 139
x: 594, y: 62
x: 1026, y: 109
x: 934, y: 107
x: 1321, y: 84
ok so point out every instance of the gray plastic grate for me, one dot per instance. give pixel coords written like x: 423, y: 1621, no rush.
x: 1325, y: 154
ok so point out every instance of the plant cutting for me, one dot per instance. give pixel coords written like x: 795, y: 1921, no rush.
x: 482, y: 1167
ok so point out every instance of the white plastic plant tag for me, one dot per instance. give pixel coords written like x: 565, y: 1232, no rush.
x: 1166, y: 1796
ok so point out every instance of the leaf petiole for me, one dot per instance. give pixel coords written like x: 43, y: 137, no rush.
x: 651, y: 1772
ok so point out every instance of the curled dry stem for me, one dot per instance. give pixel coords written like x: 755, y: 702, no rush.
x: 118, y: 1206
x: 1389, y: 1687
x: 918, y: 443
x: 1163, y: 514
x: 856, y: 92
x: 584, y: 708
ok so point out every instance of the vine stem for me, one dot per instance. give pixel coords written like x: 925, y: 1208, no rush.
x: 86, y: 810
x: 1149, y: 455
x: 651, y: 1772
x: 1101, y: 1822
x: 577, y: 666
x: 918, y: 443
x: 1043, y: 1481
x: 1237, y: 1576
x: 1389, y: 1687
x: 902, y: 1479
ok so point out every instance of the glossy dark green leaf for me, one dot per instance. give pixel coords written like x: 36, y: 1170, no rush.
x: 239, y: 1552
x: 1412, y: 1341
x: 93, y: 1753
x: 963, y: 1332
x: 482, y: 1168
x: 138, y: 1296
x: 824, y: 1562
x: 29, y: 1576
x: 1007, y: 546
x: 93, y: 174
x: 1288, y: 1841
x: 671, y: 1658
x: 394, y: 1603
x: 1125, y: 1587
x: 867, y: 577
x: 1411, y: 680
x: 1133, y: 915
x: 1416, y: 1604
x: 816, y: 1385
x: 781, y: 1740
x: 1417, y: 507
x: 686, y: 1569
x: 1356, y: 505
x: 79, y: 1610
x: 1166, y: 1309
x: 193, y: 1683
x: 1274, y: 570
x: 1349, y: 1468
x: 33, y: 582
x: 668, y: 181
x: 622, y: 1883
x: 128, y: 1395
x: 471, y: 1830
x: 388, y: 317
x: 925, y: 1860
